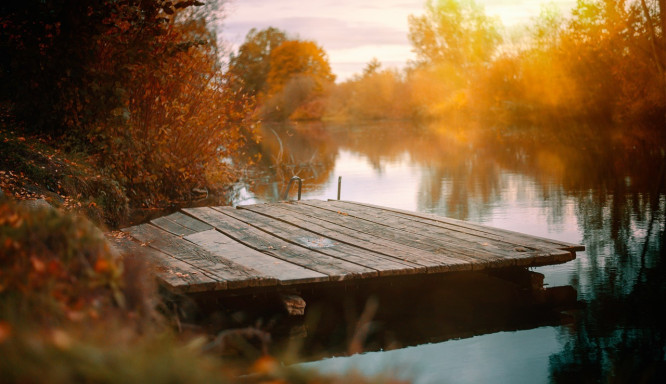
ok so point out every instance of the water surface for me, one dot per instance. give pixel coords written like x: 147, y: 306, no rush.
x: 587, y: 185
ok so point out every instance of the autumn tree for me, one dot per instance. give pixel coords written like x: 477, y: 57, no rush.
x: 604, y: 62
x: 536, y: 82
x: 298, y: 77
x: 53, y: 69
x: 613, y: 50
x: 136, y: 84
x: 655, y: 21
x: 375, y: 94
x: 298, y: 58
x: 373, y: 66
x: 251, y: 65
x: 182, y: 118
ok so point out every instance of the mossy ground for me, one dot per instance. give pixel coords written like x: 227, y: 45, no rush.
x: 31, y: 168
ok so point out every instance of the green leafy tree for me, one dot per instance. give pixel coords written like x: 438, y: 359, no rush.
x: 455, y: 32
x: 251, y: 65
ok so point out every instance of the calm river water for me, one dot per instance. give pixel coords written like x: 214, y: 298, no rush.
x: 581, y: 185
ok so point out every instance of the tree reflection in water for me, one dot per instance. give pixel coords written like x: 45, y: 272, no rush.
x: 614, y: 177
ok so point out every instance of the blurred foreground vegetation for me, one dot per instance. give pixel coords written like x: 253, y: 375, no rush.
x: 73, y: 309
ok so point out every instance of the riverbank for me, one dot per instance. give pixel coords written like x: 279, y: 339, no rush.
x: 33, y: 167
x: 72, y: 307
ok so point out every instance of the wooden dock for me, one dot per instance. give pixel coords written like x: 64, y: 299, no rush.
x: 291, y: 244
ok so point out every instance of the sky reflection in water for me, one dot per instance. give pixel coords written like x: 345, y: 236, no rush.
x: 516, y: 357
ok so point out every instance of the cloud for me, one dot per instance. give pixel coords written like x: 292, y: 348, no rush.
x: 369, y: 28
x: 328, y: 32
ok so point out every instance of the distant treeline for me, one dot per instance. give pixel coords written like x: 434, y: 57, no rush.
x: 604, y: 61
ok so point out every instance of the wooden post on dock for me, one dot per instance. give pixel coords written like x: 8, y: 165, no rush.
x: 293, y: 304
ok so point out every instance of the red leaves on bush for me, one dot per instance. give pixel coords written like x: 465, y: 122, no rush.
x: 5, y: 331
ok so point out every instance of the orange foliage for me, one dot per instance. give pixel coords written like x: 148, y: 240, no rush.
x: 5, y: 331
x: 437, y: 89
x: 376, y: 95
x: 297, y: 82
x: 181, y: 119
x: 136, y: 83
x: 298, y: 58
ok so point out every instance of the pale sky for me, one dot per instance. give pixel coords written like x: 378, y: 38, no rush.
x: 352, y: 32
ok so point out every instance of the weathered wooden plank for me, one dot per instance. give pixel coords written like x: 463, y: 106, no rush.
x: 524, y: 256
x: 485, y: 255
x: 385, y: 266
x: 226, y: 274
x: 354, y: 227
x: 373, y: 229
x: 543, y: 250
x: 419, y: 241
x: 168, y: 225
x: 380, y: 232
x: 335, y: 268
x: 286, y: 273
x: 295, y: 216
x: 520, y: 239
x: 190, y: 222
x: 173, y: 274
